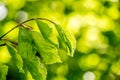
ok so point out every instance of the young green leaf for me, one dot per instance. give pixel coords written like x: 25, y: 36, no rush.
x: 47, y: 33
x: 3, y: 71
x: 48, y: 52
x: 44, y: 28
x: 35, y: 68
x: 27, y: 51
x: 25, y: 46
x: 72, y: 40
x: 16, y: 58
x: 67, y: 39
x: 43, y: 70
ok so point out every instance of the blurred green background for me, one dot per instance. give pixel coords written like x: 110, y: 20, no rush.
x: 95, y: 24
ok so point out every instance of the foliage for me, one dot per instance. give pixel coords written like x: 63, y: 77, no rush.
x: 34, y: 51
x: 94, y: 23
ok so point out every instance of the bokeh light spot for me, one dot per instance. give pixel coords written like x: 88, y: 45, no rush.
x: 74, y: 23
x: 116, y: 68
x: 113, y: 12
x: 92, y: 60
x: 21, y: 16
x: 59, y: 78
x: 15, y: 4
x: 3, y: 12
x: 13, y: 34
x: 4, y: 55
x: 89, y: 62
x: 89, y: 76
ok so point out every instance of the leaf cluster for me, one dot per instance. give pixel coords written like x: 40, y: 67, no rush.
x: 35, y: 50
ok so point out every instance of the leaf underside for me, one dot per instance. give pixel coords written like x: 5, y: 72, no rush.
x: 3, y: 71
x: 27, y: 51
x: 45, y: 42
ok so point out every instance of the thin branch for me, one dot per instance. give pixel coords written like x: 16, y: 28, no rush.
x: 22, y: 24
x: 2, y: 44
x: 8, y: 32
x: 37, y: 19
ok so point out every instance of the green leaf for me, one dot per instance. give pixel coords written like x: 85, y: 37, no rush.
x: 66, y: 38
x: 36, y: 69
x: 25, y: 46
x: 72, y: 40
x: 47, y: 33
x: 42, y: 69
x: 16, y: 58
x: 27, y: 51
x: 48, y: 52
x: 3, y: 71
x: 44, y: 28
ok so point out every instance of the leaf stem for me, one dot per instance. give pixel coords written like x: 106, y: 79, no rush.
x: 21, y: 24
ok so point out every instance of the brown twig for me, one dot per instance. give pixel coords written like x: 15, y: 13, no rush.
x: 23, y: 24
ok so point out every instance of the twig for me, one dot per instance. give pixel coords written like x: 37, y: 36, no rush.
x: 22, y: 24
